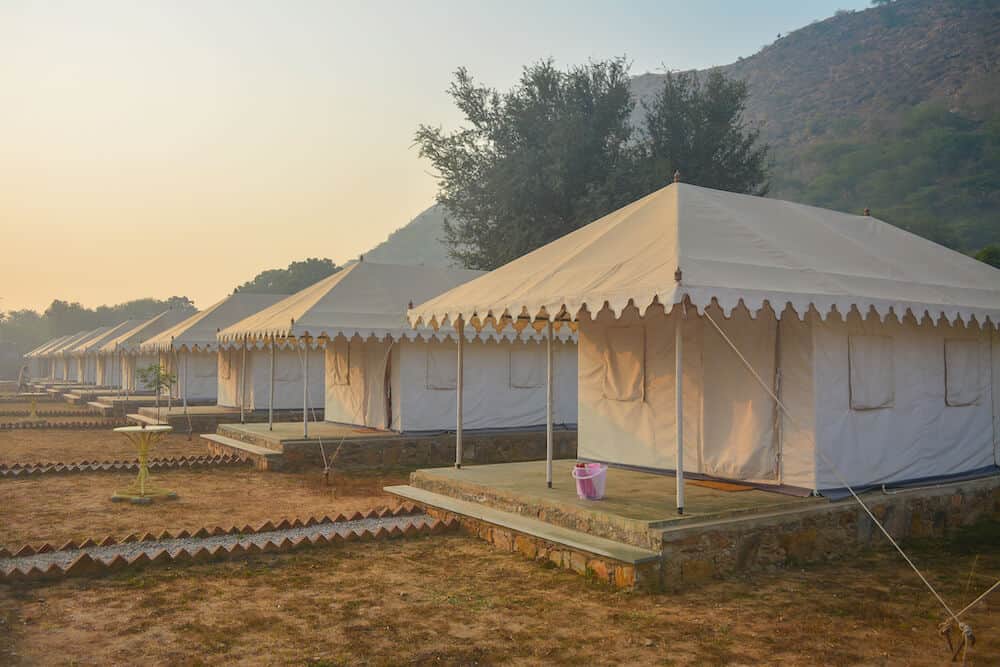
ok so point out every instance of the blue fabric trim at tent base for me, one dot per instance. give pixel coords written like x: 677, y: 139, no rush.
x: 842, y: 492
x: 797, y: 491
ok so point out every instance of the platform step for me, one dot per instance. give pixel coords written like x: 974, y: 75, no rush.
x: 571, y: 539
x: 143, y: 419
x: 103, y: 407
x: 262, y: 458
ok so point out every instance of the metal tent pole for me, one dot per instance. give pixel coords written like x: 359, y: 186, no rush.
x: 679, y: 406
x: 549, y: 445
x: 243, y: 382
x: 170, y: 368
x: 305, y: 390
x: 270, y: 393
x: 184, y: 386
x: 459, y: 383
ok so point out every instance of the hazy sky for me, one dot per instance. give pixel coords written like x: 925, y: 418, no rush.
x: 160, y: 148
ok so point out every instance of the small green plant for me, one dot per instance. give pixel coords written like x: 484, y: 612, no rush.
x: 158, y: 379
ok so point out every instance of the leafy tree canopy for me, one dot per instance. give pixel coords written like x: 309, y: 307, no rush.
x: 28, y: 329
x: 296, y: 277
x: 559, y: 151
x: 990, y: 254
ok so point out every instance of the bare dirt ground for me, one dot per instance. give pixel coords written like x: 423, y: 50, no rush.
x: 438, y: 600
x: 453, y: 600
x: 58, y: 508
x: 68, y: 446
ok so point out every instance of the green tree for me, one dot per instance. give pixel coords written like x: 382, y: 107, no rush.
x: 990, y: 254
x: 696, y: 127
x: 158, y: 379
x: 26, y: 329
x: 534, y: 163
x: 296, y: 277
x: 558, y: 151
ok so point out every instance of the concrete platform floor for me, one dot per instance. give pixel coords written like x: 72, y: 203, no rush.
x: 644, y: 501
x: 292, y: 431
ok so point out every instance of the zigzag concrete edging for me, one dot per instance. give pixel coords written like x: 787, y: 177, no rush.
x: 41, y: 414
x: 41, y: 425
x: 90, y: 558
x: 21, y: 470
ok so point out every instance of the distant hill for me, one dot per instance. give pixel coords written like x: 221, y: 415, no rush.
x: 418, y: 242
x: 895, y: 108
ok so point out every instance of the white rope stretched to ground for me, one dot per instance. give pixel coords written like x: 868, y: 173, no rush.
x: 968, y: 638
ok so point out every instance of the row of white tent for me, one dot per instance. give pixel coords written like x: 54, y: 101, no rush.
x: 698, y: 331
x: 342, y: 345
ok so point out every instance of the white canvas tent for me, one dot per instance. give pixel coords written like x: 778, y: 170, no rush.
x: 189, y: 349
x: 86, y: 352
x: 63, y: 364
x: 39, y: 362
x: 381, y: 373
x: 125, y: 348
x: 107, y: 364
x: 881, y: 345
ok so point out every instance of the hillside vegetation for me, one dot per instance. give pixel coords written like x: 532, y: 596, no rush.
x: 895, y: 108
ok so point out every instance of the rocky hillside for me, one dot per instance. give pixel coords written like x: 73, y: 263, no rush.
x: 894, y: 108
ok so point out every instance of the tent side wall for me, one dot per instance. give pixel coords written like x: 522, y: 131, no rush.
x: 131, y: 364
x: 900, y: 401
x: 995, y: 363
x: 228, y: 379
x: 627, y: 394
x: 197, y: 374
x: 426, y: 397
x: 287, y: 379
x: 355, y: 373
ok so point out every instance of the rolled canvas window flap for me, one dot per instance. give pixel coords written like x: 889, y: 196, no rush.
x: 527, y: 366
x: 872, y: 370
x: 961, y: 372
x: 624, y: 364
x: 341, y: 362
x: 442, y: 367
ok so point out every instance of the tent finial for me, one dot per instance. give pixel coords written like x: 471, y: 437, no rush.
x: 361, y: 258
x: 677, y: 176
x: 868, y: 211
x: 677, y: 274
x: 410, y: 306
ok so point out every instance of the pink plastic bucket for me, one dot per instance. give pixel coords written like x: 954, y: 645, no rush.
x: 590, y: 478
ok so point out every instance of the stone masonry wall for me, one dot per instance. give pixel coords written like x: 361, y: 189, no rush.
x: 700, y: 552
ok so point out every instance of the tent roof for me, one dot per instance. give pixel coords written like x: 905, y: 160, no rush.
x: 69, y: 342
x: 367, y: 299
x: 52, y: 342
x: 199, y: 331
x: 83, y: 344
x: 730, y: 248
x: 144, y: 330
x: 97, y: 342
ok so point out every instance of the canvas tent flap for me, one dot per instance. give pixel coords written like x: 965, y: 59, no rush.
x: 729, y: 248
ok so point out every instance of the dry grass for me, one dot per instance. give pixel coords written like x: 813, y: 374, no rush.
x: 70, y: 445
x: 58, y: 508
x: 453, y: 600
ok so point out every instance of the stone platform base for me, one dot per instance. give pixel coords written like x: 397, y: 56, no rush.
x: 721, y: 534
x: 350, y: 448
x: 207, y: 418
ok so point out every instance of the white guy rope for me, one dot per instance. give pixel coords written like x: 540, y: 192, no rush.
x: 835, y: 470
